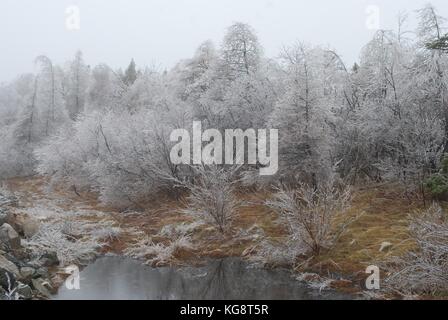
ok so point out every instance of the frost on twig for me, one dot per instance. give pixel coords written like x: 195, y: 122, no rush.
x: 424, y: 270
x: 158, y: 253
x: 212, y: 196
x: 271, y: 254
x: 71, y: 245
x: 310, y: 214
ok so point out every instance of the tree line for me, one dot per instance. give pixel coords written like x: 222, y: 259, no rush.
x: 383, y: 119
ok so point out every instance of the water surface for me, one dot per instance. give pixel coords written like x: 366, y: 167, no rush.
x: 123, y: 278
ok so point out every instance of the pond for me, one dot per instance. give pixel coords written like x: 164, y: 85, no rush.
x: 116, y: 278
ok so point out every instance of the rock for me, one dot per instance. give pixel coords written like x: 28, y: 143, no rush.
x: 49, y: 259
x: 9, y: 237
x: 41, y: 272
x: 12, y: 220
x: 21, y: 255
x: 24, y: 224
x: 18, y: 259
x: 3, y: 247
x: 7, y: 265
x: 24, y: 291
x: 7, y: 279
x: 41, y: 286
x: 27, y: 273
x: 385, y: 246
x: 30, y: 227
x: 2, y: 294
x: 3, y: 215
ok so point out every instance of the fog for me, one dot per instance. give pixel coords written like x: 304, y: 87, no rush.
x: 161, y: 32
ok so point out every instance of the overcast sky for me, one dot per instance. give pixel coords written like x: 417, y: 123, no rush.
x: 162, y: 32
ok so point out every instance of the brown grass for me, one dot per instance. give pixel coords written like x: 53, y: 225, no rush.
x: 384, y: 219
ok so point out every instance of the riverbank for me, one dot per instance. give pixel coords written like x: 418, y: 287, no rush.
x: 159, y: 233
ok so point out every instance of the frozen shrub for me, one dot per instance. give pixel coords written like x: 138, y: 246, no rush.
x: 310, y: 215
x: 183, y: 229
x: 107, y: 233
x: 53, y: 237
x: 212, y: 196
x: 273, y: 254
x: 123, y: 155
x: 424, y: 270
x: 158, y: 253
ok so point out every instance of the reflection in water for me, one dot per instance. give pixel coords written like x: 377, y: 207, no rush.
x: 122, y: 278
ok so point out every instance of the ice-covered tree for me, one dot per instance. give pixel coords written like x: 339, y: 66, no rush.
x: 76, y: 84
x: 51, y: 104
x: 130, y: 75
x: 240, y: 52
x: 106, y: 89
x: 302, y: 114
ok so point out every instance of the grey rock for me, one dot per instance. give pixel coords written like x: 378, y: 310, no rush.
x: 17, y: 259
x: 27, y: 272
x: 41, y: 272
x: 7, y: 265
x: 9, y: 236
x: 25, y: 292
x: 7, y: 279
x: 30, y: 227
x: 3, y: 215
x: 13, y: 219
x: 41, y: 286
x: 24, y: 224
x: 49, y: 259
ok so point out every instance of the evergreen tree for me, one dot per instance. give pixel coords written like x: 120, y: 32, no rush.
x: 130, y: 74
